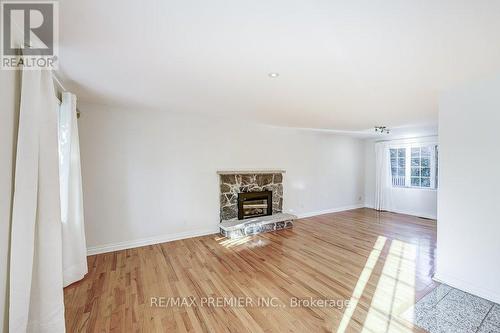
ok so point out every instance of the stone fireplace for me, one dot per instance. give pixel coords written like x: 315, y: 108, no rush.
x: 252, y: 202
x: 233, y: 184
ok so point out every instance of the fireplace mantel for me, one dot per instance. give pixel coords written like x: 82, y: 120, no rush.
x: 249, y: 172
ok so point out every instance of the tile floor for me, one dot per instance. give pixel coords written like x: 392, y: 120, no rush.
x: 449, y: 310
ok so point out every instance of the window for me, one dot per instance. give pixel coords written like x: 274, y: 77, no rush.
x: 414, y: 166
x: 398, y: 166
x: 421, y: 167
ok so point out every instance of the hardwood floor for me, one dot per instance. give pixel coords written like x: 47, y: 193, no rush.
x: 381, y: 263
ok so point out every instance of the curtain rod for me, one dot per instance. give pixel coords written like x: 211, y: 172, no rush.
x: 62, y: 89
x: 58, y: 82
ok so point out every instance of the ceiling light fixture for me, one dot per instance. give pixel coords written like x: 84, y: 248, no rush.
x: 382, y: 129
x: 273, y: 75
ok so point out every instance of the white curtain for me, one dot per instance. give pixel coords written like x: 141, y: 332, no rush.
x: 383, y: 193
x: 74, y: 250
x: 36, y: 279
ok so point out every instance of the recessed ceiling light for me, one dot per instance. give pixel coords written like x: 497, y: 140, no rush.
x: 273, y: 75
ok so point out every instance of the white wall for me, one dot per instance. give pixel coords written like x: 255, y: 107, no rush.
x: 412, y: 201
x: 9, y: 106
x: 468, y: 237
x: 151, y: 176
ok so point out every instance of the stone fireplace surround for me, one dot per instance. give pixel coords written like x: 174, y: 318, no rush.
x: 238, y: 181
x: 232, y: 184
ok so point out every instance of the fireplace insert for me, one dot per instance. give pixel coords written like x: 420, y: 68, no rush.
x: 253, y: 204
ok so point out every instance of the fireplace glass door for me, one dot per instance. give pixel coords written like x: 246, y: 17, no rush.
x: 253, y: 204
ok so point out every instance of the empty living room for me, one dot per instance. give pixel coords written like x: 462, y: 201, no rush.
x: 249, y: 166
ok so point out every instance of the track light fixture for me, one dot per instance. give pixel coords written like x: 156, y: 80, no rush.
x: 382, y: 129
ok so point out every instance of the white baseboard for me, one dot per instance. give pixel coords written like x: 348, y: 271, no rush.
x: 482, y: 292
x: 417, y: 214
x: 150, y: 241
x: 92, y: 250
x: 331, y: 210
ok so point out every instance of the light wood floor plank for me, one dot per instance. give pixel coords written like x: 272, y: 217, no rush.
x: 332, y: 256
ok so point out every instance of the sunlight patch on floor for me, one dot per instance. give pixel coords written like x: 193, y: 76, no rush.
x: 361, y: 284
x: 228, y: 243
x: 395, y: 290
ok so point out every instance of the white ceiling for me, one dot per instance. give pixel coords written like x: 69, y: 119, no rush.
x: 345, y: 65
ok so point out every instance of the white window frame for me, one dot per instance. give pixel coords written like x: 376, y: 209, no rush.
x: 397, y: 165
x: 432, y: 165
